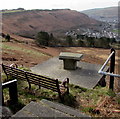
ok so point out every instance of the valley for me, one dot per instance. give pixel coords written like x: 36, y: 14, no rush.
x: 28, y: 23
x: 110, y: 16
x: 70, y: 31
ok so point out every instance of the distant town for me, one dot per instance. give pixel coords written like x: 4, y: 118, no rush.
x: 108, y: 30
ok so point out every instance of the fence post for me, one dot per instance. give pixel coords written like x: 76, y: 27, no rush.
x: 13, y: 92
x: 112, y: 68
x: 2, y: 99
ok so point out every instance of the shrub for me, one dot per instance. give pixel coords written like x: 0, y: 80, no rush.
x: 7, y: 38
x: 69, y: 40
x: 42, y: 38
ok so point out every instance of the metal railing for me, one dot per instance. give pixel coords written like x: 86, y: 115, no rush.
x: 111, y: 58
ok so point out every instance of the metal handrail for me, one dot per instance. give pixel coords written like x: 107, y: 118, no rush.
x: 103, y: 66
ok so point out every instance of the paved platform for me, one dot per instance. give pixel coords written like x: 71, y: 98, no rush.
x: 49, y: 109
x: 86, y: 75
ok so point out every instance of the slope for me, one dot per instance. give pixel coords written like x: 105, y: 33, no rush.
x: 103, y: 14
x: 28, y: 23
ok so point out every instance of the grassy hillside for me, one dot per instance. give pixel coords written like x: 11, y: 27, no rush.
x: 98, y: 102
x: 110, y: 13
x: 21, y: 54
x: 29, y: 22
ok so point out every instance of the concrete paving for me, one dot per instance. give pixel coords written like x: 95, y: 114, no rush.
x: 49, y: 109
x: 63, y: 108
x: 86, y: 75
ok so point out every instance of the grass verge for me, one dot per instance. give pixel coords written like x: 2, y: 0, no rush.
x: 85, y: 100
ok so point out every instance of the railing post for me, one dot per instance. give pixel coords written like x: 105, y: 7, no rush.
x: 2, y: 99
x: 13, y: 92
x: 112, y: 68
x: 12, y: 85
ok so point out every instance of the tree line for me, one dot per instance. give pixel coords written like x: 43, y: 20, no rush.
x: 46, y: 39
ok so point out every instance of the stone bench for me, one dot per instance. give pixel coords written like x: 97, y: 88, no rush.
x: 70, y: 59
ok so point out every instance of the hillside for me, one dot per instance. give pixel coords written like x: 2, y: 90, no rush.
x: 29, y: 55
x: 109, y: 14
x: 29, y: 22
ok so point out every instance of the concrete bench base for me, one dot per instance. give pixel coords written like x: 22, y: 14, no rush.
x: 70, y: 64
x: 70, y: 60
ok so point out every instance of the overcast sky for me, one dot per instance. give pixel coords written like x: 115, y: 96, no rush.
x: 78, y: 5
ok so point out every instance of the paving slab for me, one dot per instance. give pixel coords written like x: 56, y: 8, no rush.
x: 49, y: 109
x: 86, y: 75
x: 34, y: 109
x: 63, y: 108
